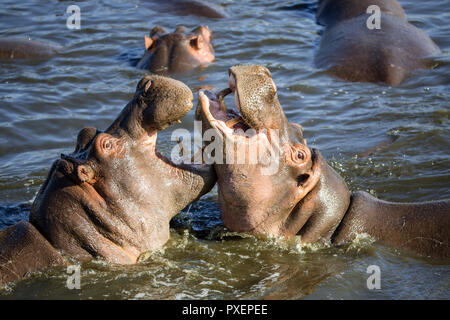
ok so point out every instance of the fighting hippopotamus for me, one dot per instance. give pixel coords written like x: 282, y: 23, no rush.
x: 176, y: 52
x: 11, y: 48
x: 303, y: 195
x: 200, y: 8
x: 114, y: 196
x: 353, y: 52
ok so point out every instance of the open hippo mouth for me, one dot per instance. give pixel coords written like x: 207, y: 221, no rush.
x: 245, y: 123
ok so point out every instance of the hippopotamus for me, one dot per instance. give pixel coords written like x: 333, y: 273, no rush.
x: 200, y: 8
x: 11, y: 48
x: 303, y: 196
x: 113, y: 197
x: 177, y: 52
x: 353, y: 52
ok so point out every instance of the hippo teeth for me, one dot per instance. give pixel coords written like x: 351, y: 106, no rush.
x: 224, y: 93
x: 231, y: 123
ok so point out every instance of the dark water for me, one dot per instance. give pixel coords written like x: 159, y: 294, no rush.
x: 45, y: 103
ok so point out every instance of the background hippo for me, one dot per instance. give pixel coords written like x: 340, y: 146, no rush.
x: 114, y: 196
x: 304, y: 195
x: 354, y: 52
x: 26, y: 49
x: 179, y: 51
x: 199, y: 8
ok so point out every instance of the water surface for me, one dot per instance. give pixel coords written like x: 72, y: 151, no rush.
x: 45, y: 103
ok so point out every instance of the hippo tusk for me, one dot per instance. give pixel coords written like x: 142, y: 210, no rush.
x: 179, y: 121
x: 222, y: 104
x: 231, y: 123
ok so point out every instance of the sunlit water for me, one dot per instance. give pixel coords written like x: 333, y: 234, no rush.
x: 45, y: 103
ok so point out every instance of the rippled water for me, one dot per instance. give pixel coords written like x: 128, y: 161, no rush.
x: 45, y: 103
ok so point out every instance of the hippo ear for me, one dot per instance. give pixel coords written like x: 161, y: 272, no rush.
x: 148, y: 42
x: 305, y: 171
x: 85, y: 173
x: 197, y: 42
x: 106, y: 146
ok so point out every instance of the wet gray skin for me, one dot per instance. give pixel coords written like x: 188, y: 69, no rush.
x: 330, y: 12
x: 177, y: 52
x: 114, y: 196
x: 304, y: 196
x: 353, y: 52
x: 11, y: 48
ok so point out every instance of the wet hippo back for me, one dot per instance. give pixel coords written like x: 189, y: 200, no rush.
x: 355, y: 53
x: 26, y: 49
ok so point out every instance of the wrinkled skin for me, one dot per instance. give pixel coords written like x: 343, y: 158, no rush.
x: 114, y: 196
x: 200, y: 8
x: 353, y: 52
x: 304, y: 196
x: 26, y: 49
x: 177, y: 52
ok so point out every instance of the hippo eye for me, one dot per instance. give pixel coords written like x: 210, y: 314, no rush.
x: 108, y: 145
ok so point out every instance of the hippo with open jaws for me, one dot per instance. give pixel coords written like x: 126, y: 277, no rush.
x: 16, y: 48
x: 114, y: 196
x: 353, y: 52
x: 304, y: 195
x: 177, y: 52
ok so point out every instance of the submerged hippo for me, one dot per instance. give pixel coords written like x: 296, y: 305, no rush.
x: 354, y: 52
x: 113, y: 197
x: 200, y: 8
x: 175, y: 52
x: 26, y: 49
x: 304, y: 195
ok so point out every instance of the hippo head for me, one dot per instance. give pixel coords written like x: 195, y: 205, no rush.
x: 283, y: 191
x: 179, y: 51
x: 114, y: 196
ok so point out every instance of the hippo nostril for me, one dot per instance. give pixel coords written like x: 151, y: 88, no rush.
x: 301, y: 179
